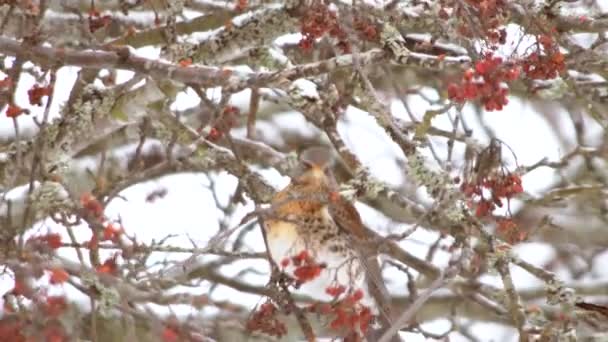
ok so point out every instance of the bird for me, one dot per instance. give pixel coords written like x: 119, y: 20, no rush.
x: 311, y: 224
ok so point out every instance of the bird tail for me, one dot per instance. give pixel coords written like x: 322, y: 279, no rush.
x: 377, y: 289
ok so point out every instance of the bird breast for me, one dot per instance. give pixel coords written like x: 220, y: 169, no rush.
x: 320, y: 238
x: 282, y: 237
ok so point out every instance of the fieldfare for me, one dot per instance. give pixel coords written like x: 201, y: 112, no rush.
x: 317, y: 237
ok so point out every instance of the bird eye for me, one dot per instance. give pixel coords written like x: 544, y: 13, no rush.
x: 306, y: 166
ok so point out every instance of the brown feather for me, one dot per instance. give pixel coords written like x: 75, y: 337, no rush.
x: 314, y: 178
x: 593, y: 307
x: 347, y: 218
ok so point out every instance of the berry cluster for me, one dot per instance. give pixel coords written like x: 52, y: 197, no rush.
x: 53, y: 332
x: 53, y: 305
x: 91, y: 205
x: 545, y: 64
x: 486, y: 82
x: 172, y: 331
x: 50, y: 308
x: 348, y: 313
x: 306, y: 268
x: 36, y: 92
x: 50, y: 241
x: 501, y: 188
x: 509, y: 229
x: 12, y: 330
x: 111, y: 232
x: 109, y: 266
x: 58, y: 276
x: 265, y: 320
x: 490, y: 16
x: 365, y: 29
x: 317, y: 21
x: 241, y: 5
x: 13, y: 111
x: 224, y: 123
x: 98, y: 21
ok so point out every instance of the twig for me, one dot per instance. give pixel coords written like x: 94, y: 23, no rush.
x: 409, y: 313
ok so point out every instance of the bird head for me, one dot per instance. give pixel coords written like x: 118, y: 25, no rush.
x: 315, y: 168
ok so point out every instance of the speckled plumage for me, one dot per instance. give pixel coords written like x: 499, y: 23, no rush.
x: 310, y: 215
x: 308, y: 225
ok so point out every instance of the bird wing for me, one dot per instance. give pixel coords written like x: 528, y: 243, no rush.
x: 347, y: 218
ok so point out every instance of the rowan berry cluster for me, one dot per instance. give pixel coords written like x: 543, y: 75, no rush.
x: 173, y: 332
x: 34, y: 94
x: 490, y: 15
x: 486, y: 83
x: 224, y: 123
x: 265, y: 321
x: 365, y: 28
x: 306, y: 268
x: 546, y: 62
x: 501, y: 188
x: 241, y: 5
x: 12, y: 330
x: 98, y: 21
x: 347, y: 312
x: 319, y: 20
x: 46, y: 311
x: 509, y: 229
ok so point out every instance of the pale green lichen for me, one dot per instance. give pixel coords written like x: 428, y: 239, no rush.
x: 568, y: 336
x: 372, y: 186
x: 421, y: 174
x: 268, y: 59
x: 7, y: 159
x: 94, y: 103
x: 559, y: 293
x: 455, y: 212
x: 389, y: 33
x: 259, y: 28
x: 108, y: 299
x: 556, y: 89
x: 394, y: 42
x: 49, y: 197
x: 376, y: 109
x: 306, y: 101
x: 180, y: 51
x: 78, y: 121
x: 203, y: 158
x: 331, y: 96
x: 51, y: 132
x: 175, y: 7
x: 362, y: 182
x: 162, y: 132
x: 348, y: 192
x: 500, y: 253
x: 289, y: 163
